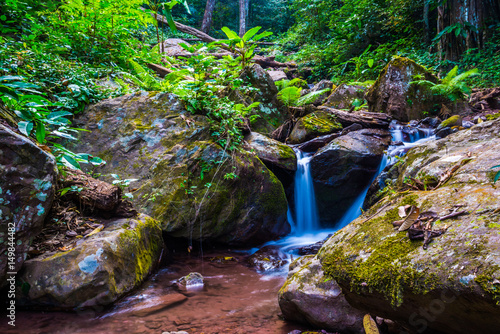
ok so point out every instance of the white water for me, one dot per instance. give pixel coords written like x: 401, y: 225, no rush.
x: 305, y: 226
x: 306, y: 212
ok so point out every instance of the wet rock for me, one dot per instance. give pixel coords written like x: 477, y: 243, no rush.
x: 99, y: 270
x: 191, y: 281
x: 430, y: 122
x: 312, y: 249
x: 393, y: 94
x: 183, y: 175
x: 343, y: 168
x: 27, y: 179
x: 309, y: 297
x: 454, y: 282
x: 467, y: 124
x: 156, y: 304
x: 452, y: 121
x: 271, y: 151
x: 476, y: 119
x: 344, y: 95
x: 318, y: 123
x: 443, y: 132
x: 277, y: 75
x: 268, y: 258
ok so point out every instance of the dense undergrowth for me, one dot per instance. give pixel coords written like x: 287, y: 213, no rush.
x: 55, y: 54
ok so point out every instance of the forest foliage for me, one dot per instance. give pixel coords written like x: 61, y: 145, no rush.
x: 53, y: 54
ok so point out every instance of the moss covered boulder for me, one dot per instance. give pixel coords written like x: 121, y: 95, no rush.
x: 453, y: 285
x: 98, y: 271
x: 309, y: 297
x: 317, y: 123
x: 27, y: 179
x: 270, y: 113
x: 194, y: 187
x: 393, y: 94
x: 272, y: 152
x: 343, y: 169
x: 344, y: 95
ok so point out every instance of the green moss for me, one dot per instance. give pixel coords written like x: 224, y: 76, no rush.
x: 320, y: 123
x: 489, y: 283
x: 493, y: 116
x: 451, y: 121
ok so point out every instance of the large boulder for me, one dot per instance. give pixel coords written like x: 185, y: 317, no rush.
x: 323, y: 84
x: 272, y: 152
x: 452, y: 286
x: 393, y: 94
x: 318, y: 123
x: 27, y: 179
x: 309, y: 297
x: 98, y: 271
x: 270, y: 113
x: 343, y: 169
x: 194, y: 187
x: 344, y: 95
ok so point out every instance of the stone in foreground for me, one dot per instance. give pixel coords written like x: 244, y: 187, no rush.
x: 98, y: 271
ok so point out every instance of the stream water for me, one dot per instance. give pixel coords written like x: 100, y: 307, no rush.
x: 235, y: 298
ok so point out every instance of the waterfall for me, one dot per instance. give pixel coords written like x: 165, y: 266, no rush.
x: 306, y: 212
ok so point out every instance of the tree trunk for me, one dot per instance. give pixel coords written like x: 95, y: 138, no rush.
x: 243, y: 16
x: 470, y: 20
x: 427, y: 31
x: 207, y: 17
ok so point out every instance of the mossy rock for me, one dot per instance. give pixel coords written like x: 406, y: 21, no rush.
x: 98, y: 271
x: 451, y: 122
x: 272, y: 151
x: 27, y: 190
x: 393, y: 94
x: 383, y: 273
x: 344, y: 95
x: 309, y: 297
x: 318, y: 123
x: 194, y: 187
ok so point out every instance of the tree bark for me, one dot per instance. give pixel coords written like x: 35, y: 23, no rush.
x: 207, y: 17
x: 243, y: 16
x: 427, y: 32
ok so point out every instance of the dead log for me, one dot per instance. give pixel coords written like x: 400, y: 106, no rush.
x: 163, y: 71
x: 91, y: 194
x: 364, y: 118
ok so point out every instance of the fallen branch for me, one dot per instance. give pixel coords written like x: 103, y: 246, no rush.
x: 163, y: 71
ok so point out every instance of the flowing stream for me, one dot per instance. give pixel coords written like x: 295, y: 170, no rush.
x: 235, y: 298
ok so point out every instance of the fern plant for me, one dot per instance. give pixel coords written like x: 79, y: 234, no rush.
x: 453, y: 86
x: 291, y: 97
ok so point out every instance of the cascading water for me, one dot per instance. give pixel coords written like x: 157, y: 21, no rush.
x: 306, y: 213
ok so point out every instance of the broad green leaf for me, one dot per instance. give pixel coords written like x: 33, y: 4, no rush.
x: 58, y: 114
x: 170, y: 20
x: 40, y: 133
x: 69, y: 162
x: 370, y: 63
x: 262, y: 35
x: 229, y: 33
x: 63, y: 135
x: 250, y: 33
x: 25, y: 127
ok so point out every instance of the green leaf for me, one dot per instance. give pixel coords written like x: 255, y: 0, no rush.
x: 40, y: 133
x: 370, y: 63
x: 289, y: 96
x: 69, y: 162
x: 230, y: 34
x: 170, y: 20
x: 497, y: 176
x: 262, y: 35
x: 25, y: 127
x: 250, y: 33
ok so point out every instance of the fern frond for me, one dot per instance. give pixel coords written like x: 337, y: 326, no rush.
x: 422, y: 82
x: 461, y: 77
x: 289, y: 95
x: 311, y: 97
x: 451, y: 74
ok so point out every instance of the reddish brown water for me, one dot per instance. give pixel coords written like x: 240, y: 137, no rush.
x: 235, y: 299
